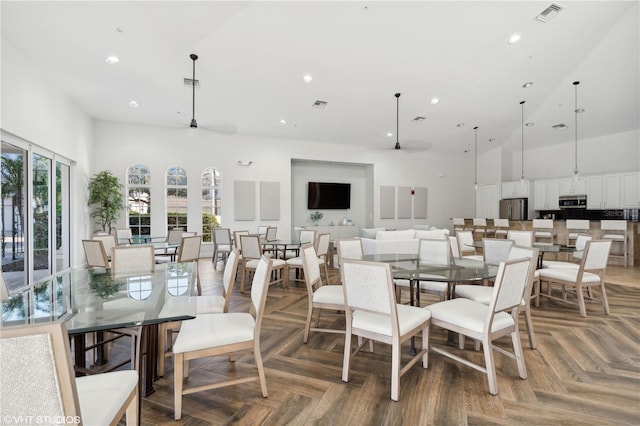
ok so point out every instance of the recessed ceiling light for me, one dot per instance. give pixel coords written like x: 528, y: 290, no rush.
x: 434, y: 101
x: 527, y: 84
x: 492, y: 140
x: 580, y: 110
x: 529, y: 124
x: 389, y: 135
x: 307, y: 78
x: 283, y: 121
x: 560, y: 126
x: 514, y: 38
x: 111, y: 60
x: 466, y: 150
x: 133, y: 104
x: 460, y: 125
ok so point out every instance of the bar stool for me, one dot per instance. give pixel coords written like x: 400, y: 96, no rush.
x: 458, y: 224
x: 502, y: 227
x: 543, y: 229
x: 616, y: 231
x: 480, y: 227
x: 576, y: 227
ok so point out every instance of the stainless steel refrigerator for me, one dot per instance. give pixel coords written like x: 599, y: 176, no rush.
x: 514, y: 209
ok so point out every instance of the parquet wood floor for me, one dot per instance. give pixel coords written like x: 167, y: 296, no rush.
x: 584, y: 371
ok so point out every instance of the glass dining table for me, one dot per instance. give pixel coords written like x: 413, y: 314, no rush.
x: 459, y: 270
x: 95, y: 300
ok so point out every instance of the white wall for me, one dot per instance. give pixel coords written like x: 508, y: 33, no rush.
x: 119, y: 145
x: 611, y: 153
x: 37, y: 111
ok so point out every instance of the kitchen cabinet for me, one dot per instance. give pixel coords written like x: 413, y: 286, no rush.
x: 571, y: 186
x: 487, y: 201
x: 515, y: 189
x: 630, y: 190
x: 603, y: 192
x: 545, y: 194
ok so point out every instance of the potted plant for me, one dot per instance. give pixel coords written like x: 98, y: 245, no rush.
x: 315, y: 217
x: 107, y: 199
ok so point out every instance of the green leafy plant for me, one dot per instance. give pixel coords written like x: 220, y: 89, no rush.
x: 107, y: 199
x: 316, y: 216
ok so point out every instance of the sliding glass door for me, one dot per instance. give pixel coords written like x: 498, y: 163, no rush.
x: 36, y: 205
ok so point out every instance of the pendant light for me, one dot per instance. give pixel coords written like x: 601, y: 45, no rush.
x: 397, y: 95
x: 475, y: 150
x: 576, y: 111
x: 522, y: 147
x: 194, y: 123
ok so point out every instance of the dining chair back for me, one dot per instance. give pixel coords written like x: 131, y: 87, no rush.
x: 237, y: 241
x: 465, y: 243
x: 189, y: 250
x: 322, y: 250
x: 307, y: 236
x: 4, y: 291
x: 496, y: 250
x: 521, y: 238
x: 372, y: 314
x: 262, y: 230
x: 350, y: 249
x: 576, y: 227
x: 455, y: 251
x: 252, y: 253
x: 94, y: 254
x: 271, y: 233
x: 221, y: 245
x: 38, y: 381
x: 108, y: 242
x: 175, y: 236
x: 124, y: 236
x: 139, y: 259
x: 434, y: 252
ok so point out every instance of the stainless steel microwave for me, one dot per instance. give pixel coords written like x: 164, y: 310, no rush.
x: 572, y: 202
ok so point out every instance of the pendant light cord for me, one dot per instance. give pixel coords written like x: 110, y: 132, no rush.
x: 522, y: 146
x: 575, y: 170
x: 397, y: 95
x: 475, y: 150
x: 194, y: 123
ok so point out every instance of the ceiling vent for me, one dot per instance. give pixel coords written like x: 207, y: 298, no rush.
x: 560, y: 126
x: 319, y: 104
x: 189, y: 82
x: 549, y: 13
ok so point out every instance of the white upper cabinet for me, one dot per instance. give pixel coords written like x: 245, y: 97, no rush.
x: 515, y: 189
x: 571, y: 186
x: 546, y: 194
x: 603, y: 192
x: 630, y: 190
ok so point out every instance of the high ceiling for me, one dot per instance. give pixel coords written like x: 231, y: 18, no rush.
x: 253, y: 55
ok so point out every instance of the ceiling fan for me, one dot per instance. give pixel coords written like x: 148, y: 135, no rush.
x: 415, y: 146
x: 224, y: 127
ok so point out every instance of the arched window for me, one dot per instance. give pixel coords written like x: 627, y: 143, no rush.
x: 139, y: 199
x: 211, y: 203
x: 176, y: 198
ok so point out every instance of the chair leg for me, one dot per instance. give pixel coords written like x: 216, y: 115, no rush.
x: 603, y: 298
x: 131, y: 413
x: 529, y: 323
x: 346, y: 359
x: 258, y: 357
x: 178, y: 373
x: 580, y: 295
x: 461, y: 341
x: 244, y: 271
x: 395, y: 370
x: 517, y: 350
x: 490, y: 366
x: 307, y: 327
x: 425, y: 346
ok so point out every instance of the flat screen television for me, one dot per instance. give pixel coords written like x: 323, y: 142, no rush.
x: 329, y: 196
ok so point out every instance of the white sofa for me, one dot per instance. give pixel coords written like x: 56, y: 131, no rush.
x: 401, y: 242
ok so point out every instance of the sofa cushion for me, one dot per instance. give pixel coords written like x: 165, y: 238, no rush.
x: 437, y: 234
x: 371, y: 246
x: 370, y: 232
x: 407, y: 234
